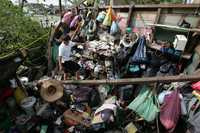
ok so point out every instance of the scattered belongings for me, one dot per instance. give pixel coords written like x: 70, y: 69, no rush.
x: 124, y: 82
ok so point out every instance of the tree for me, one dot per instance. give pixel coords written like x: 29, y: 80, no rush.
x: 16, y: 29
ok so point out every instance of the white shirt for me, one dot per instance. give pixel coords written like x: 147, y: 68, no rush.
x: 65, y: 51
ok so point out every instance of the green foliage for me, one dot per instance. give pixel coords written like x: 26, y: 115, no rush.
x: 16, y: 29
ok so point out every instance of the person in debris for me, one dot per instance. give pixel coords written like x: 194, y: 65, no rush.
x: 66, y: 62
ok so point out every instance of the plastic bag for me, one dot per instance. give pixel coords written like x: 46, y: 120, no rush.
x: 67, y: 18
x: 108, y: 19
x: 194, y: 115
x: 196, y: 86
x: 140, y: 53
x: 122, y: 24
x: 114, y: 28
x: 75, y: 21
x: 91, y: 30
x: 170, y: 111
x: 144, y: 106
x: 134, y: 68
x: 92, y: 26
x: 101, y: 16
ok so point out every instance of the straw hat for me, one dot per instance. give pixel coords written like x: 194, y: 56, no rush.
x: 51, y: 90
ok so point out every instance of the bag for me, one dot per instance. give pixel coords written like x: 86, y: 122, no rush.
x: 170, y: 111
x: 75, y: 21
x: 144, y: 105
x: 91, y: 28
x: 194, y: 115
x: 101, y: 16
x: 196, y: 86
x: 114, y: 28
x: 134, y: 69
x: 108, y: 19
x: 67, y: 18
x: 140, y: 53
x: 122, y: 24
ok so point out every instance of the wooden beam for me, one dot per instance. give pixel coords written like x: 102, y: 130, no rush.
x: 60, y: 6
x: 165, y: 79
x: 158, y: 16
x: 49, y: 51
x: 175, y: 28
x: 150, y: 6
x: 130, y: 15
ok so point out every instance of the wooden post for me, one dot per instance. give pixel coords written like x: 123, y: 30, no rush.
x: 130, y: 15
x: 158, y: 16
x: 60, y: 5
x: 156, y: 22
x: 49, y: 51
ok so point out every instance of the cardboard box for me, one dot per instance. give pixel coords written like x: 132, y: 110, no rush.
x: 180, y: 42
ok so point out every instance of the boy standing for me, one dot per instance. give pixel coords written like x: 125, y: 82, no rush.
x: 65, y: 60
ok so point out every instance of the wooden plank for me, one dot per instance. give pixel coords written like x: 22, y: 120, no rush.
x: 168, y: 6
x: 163, y: 79
x: 129, y: 15
x: 175, y: 28
x: 158, y: 16
x: 155, y: 6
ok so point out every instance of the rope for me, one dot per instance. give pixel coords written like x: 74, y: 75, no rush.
x: 30, y: 44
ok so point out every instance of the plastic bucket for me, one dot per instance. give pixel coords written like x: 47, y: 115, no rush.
x: 27, y: 105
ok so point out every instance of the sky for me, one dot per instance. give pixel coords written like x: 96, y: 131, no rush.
x: 48, y: 2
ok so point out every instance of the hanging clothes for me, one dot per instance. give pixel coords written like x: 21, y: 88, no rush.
x: 140, y: 55
x: 144, y: 105
x: 170, y: 111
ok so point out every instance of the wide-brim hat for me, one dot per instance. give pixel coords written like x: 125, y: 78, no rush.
x: 51, y: 90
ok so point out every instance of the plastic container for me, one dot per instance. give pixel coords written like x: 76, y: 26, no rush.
x: 27, y: 105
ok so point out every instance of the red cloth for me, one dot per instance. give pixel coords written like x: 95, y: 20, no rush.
x: 196, y: 86
x: 170, y: 111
